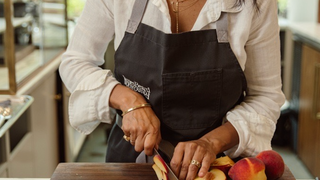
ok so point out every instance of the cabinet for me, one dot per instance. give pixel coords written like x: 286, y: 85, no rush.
x: 16, y: 150
x: 3, y: 174
x: 44, y: 128
x: 309, y: 111
x: 32, y: 34
x: 20, y: 162
x: 29, y: 148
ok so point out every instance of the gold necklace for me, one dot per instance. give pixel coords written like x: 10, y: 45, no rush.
x: 177, y: 8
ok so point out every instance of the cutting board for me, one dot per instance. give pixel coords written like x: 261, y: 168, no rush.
x: 115, y: 171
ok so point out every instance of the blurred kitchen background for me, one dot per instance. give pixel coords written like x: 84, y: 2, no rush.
x: 34, y: 33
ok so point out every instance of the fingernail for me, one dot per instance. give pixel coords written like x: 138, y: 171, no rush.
x: 201, y: 174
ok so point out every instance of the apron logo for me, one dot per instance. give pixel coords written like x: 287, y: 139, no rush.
x: 137, y: 87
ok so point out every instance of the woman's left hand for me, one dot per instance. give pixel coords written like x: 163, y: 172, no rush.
x: 200, y: 150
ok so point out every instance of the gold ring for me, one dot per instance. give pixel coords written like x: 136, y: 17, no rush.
x: 196, y: 163
x: 127, y: 138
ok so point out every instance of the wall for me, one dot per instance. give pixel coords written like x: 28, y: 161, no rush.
x: 303, y: 10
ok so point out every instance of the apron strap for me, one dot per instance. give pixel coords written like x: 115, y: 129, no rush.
x: 138, y: 12
x: 136, y: 15
x: 222, y: 28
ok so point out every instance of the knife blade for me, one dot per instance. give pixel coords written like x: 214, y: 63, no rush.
x: 170, y: 174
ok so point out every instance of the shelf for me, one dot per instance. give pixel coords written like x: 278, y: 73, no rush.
x: 35, y: 34
x: 19, y: 105
x: 24, y: 67
x: 15, y: 22
x: 14, y: 1
x: 22, y: 51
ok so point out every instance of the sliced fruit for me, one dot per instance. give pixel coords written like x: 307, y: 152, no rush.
x: 158, y: 171
x: 223, y: 163
x: 160, y: 163
x: 218, y: 174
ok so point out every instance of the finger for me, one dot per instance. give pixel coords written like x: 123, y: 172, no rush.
x: 132, y: 142
x: 205, y: 166
x: 139, y: 142
x: 126, y: 133
x: 195, y: 163
x: 176, y: 160
x: 188, y: 155
x: 133, y: 137
x: 150, y: 142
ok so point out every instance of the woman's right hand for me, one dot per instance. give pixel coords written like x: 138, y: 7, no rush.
x: 141, y: 125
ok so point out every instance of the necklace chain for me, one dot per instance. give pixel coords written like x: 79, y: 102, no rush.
x: 177, y: 8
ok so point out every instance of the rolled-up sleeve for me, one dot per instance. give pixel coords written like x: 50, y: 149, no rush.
x: 256, y: 117
x: 90, y: 85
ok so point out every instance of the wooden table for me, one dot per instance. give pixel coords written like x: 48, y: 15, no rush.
x: 115, y: 171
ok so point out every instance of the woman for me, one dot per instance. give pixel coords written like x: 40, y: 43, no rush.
x: 203, y: 75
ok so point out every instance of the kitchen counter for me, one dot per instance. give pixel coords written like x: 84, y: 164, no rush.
x: 18, y: 105
x: 116, y: 171
x: 309, y: 30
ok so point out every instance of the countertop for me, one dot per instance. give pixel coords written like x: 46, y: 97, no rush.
x: 307, y: 29
x: 116, y: 171
x: 310, y: 30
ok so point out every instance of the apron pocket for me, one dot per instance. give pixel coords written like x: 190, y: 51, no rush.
x: 191, y: 100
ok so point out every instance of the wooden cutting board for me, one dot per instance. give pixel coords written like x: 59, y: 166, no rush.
x: 115, y: 171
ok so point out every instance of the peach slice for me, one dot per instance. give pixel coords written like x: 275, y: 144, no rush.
x: 223, y: 163
x: 158, y: 171
x: 209, y: 175
x: 218, y: 174
x: 157, y: 159
x: 164, y: 176
x: 213, y: 174
x: 249, y: 168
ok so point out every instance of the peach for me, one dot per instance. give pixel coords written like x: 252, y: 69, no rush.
x: 273, y: 162
x: 249, y: 168
x: 157, y: 159
x: 213, y: 174
x: 223, y: 163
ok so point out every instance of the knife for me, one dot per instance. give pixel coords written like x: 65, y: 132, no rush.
x: 170, y: 174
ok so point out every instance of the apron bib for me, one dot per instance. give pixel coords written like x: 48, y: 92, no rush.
x: 190, y: 79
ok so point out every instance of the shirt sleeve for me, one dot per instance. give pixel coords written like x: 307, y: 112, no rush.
x: 256, y: 117
x: 90, y: 85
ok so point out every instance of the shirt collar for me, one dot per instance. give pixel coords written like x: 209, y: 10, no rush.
x: 212, y: 6
x: 210, y: 12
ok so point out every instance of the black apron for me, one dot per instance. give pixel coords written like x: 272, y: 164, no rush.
x: 191, y: 79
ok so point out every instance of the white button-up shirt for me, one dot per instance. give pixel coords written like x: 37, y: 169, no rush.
x: 254, y: 39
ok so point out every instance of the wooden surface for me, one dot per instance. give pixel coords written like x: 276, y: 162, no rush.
x: 319, y: 12
x: 114, y: 171
x: 110, y: 171
x: 309, y: 126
